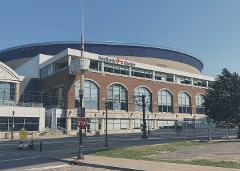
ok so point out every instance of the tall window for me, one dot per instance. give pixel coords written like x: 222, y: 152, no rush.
x: 7, y: 93
x: 117, y: 97
x: 138, y: 103
x: 58, y: 97
x: 165, y: 101
x: 90, y: 96
x: 184, y: 103
x: 199, y: 104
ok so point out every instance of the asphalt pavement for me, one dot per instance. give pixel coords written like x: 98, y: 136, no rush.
x: 56, y: 151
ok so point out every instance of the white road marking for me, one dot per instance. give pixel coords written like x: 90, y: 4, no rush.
x: 2, y: 155
x: 48, y: 167
x: 25, y: 158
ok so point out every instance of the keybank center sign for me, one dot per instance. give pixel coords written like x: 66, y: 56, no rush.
x: 118, y: 61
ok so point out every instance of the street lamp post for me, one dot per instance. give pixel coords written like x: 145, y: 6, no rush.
x: 106, y: 129
x: 13, y: 113
x: 144, y: 136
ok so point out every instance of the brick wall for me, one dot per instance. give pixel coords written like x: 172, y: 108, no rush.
x: 104, y: 80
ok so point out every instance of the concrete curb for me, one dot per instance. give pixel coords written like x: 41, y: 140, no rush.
x: 82, y: 163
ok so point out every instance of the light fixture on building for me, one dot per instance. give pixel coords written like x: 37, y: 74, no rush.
x: 79, y: 65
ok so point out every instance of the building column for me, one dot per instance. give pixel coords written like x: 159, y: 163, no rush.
x: 42, y: 119
x: 103, y: 125
x: 155, y: 124
x: 17, y: 91
x: 130, y: 125
x: 154, y: 75
x: 68, y: 124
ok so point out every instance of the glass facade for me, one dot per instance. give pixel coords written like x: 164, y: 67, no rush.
x: 58, y: 97
x: 117, y: 97
x: 164, y: 77
x: 199, y: 104
x: 183, y: 80
x: 74, y: 122
x: 46, y: 71
x: 165, y: 101
x: 28, y: 123
x: 95, y: 65
x: 136, y: 123
x: 137, y: 72
x: 52, y: 68
x: 118, y: 124
x: 7, y: 93
x: 138, y: 103
x: 184, y: 103
x: 93, y: 124
x: 117, y: 69
x: 90, y: 96
x: 198, y: 82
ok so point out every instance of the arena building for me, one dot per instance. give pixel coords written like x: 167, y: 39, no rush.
x: 119, y: 73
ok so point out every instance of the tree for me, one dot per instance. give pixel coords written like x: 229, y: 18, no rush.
x: 222, y: 99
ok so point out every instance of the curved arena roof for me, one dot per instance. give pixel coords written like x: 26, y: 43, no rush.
x: 52, y: 48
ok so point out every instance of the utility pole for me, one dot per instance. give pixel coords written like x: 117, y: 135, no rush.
x: 106, y: 129
x: 144, y: 136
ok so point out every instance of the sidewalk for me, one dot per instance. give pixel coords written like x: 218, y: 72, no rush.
x: 140, y: 165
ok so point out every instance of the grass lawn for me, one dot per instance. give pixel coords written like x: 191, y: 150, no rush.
x: 142, y: 151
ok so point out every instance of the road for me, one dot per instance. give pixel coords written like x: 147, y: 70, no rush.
x: 55, y: 152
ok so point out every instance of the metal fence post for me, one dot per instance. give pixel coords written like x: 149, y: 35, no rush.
x: 209, y: 133
x: 186, y: 130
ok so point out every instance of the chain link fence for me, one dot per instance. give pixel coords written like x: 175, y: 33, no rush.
x: 196, y: 129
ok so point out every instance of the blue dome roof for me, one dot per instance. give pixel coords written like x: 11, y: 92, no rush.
x: 52, y: 48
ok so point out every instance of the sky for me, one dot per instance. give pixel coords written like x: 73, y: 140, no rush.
x: 206, y: 29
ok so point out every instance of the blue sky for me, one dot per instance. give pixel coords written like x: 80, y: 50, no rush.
x: 207, y: 29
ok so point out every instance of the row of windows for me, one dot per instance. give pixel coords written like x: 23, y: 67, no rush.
x: 121, y: 124
x: 117, y: 98
x: 138, y: 72
x: 52, y: 68
x: 30, y: 124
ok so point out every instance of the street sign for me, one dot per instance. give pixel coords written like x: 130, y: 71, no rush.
x: 81, y: 112
x: 82, y: 123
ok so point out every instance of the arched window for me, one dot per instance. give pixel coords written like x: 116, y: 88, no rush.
x: 184, y: 103
x: 199, y: 104
x: 117, y: 97
x: 165, y: 101
x: 90, y: 95
x: 138, y: 103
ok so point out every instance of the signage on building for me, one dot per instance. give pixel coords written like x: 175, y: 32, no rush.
x: 81, y: 112
x: 118, y: 61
